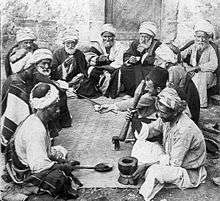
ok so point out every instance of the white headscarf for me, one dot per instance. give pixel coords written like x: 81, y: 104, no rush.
x: 204, y: 25
x: 41, y: 54
x: 25, y: 34
x: 37, y: 56
x: 70, y: 35
x: 108, y: 28
x: 149, y: 28
x: 52, y: 96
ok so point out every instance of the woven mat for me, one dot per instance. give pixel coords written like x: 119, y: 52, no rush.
x: 89, y: 141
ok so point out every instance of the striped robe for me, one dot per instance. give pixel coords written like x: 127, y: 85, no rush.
x: 16, y: 107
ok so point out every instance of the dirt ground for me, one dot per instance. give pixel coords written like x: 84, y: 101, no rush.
x: 206, y: 192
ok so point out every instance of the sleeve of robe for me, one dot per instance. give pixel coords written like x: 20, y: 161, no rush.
x: 56, y: 69
x: 37, y: 153
x: 212, y: 64
x: 20, y: 63
x: 145, y: 101
x: 8, y: 70
x: 150, y: 130
x: 180, y: 146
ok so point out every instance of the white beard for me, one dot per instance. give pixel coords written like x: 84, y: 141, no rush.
x: 201, y: 46
x: 70, y: 51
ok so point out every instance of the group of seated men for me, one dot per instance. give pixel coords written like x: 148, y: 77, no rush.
x: 34, y: 104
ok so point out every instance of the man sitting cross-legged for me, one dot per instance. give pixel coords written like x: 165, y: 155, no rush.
x: 181, y: 157
x: 201, y: 60
x: 28, y: 155
x: 104, y: 58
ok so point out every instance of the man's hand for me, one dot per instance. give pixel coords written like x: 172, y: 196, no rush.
x: 102, y: 58
x: 104, y: 108
x: 140, y: 172
x: 93, y: 61
x: 132, y: 60
x: 130, y: 114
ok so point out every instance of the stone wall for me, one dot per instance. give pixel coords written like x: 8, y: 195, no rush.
x: 49, y: 18
x: 177, y: 18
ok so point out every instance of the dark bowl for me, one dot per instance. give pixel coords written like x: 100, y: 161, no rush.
x: 127, y: 165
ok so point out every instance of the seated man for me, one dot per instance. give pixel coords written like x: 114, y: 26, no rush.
x: 181, y: 157
x: 43, y: 74
x: 104, y: 58
x: 139, y: 58
x: 19, y: 54
x: 28, y: 153
x: 15, y: 94
x: 155, y: 82
x: 68, y: 61
x: 168, y: 57
x: 201, y: 60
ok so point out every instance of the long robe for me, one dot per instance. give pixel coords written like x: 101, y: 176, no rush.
x: 208, y: 62
x: 15, y: 106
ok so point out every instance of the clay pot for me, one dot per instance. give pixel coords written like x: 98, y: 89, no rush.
x: 127, y: 165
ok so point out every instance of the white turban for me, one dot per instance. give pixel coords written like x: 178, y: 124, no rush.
x: 204, y: 25
x: 165, y: 53
x: 52, y: 96
x: 40, y: 54
x: 25, y: 34
x: 108, y: 28
x: 70, y: 35
x: 149, y: 28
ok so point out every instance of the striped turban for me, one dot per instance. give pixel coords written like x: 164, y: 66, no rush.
x: 170, y: 98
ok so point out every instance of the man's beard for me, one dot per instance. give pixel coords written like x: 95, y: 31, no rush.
x: 70, y: 50
x: 201, y: 46
x: 147, y: 43
x: 108, y: 44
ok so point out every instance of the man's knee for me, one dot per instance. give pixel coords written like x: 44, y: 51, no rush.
x: 155, y: 171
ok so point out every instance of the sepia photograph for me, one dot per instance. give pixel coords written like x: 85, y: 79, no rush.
x: 110, y: 100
